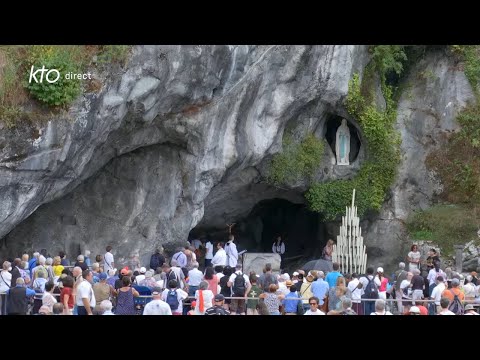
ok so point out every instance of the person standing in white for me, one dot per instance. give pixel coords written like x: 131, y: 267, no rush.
x: 108, y: 259
x: 5, y: 284
x: 231, y: 251
x: 157, y: 306
x: 278, y: 246
x: 85, y: 296
x: 220, y: 258
x: 209, y: 253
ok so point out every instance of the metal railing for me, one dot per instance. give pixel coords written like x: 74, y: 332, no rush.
x: 391, y: 304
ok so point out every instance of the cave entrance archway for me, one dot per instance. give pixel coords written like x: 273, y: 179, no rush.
x: 303, y: 231
x: 332, y: 124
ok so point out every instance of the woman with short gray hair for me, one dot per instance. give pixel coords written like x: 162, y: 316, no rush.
x: 49, y: 267
x: 380, y: 308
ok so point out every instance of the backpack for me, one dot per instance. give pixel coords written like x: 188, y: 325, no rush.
x: 239, y: 285
x: 41, y: 270
x: 171, y: 276
x: 456, y: 305
x: 224, y: 289
x: 371, y: 290
x: 172, y: 299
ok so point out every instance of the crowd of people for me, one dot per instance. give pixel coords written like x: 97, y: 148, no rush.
x: 181, y: 285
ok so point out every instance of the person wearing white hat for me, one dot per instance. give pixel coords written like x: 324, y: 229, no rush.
x: 470, y: 310
x: 414, y: 310
x: 139, y: 278
x: 381, y: 281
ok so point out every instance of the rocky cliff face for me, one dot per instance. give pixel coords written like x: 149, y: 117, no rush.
x: 180, y: 121
x: 185, y: 133
x: 435, y: 91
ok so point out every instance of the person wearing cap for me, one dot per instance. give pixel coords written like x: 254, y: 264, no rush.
x: 81, y: 263
x: 295, y: 277
x: 470, y: 310
x: 157, y: 306
x: 423, y: 309
x: 455, y: 290
x: 414, y: 310
x: 306, y: 292
x: 113, y: 276
x: 381, y: 281
x: 292, y: 304
x: 139, y: 278
x: 102, y: 291
x: 193, y: 305
x: 217, y: 308
x: 119, y: 282
x: 252, y: 296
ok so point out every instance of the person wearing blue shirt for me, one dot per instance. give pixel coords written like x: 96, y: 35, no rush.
x: 333, y: 275
x: 290, y: 303
x: 320, y: 288
x: 87, y: 258
x: 33, y: 261
x: 180, y: 258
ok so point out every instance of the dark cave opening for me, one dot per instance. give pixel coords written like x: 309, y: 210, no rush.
x: 332, y: 124
x: 304, y: 232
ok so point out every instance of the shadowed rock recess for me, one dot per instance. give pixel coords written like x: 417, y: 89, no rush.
x: 183, y: 138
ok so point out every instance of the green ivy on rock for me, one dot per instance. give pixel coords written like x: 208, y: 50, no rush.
x: 383, y: 152
x: 296, y: 161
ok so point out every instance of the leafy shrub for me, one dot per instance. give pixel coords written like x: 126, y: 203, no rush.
x: 63, y: 91
x: 446, y: 225
x: 114, y: 54
x: 296, y: 161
